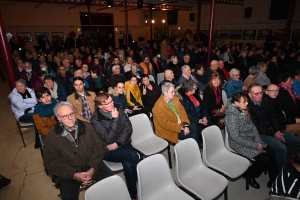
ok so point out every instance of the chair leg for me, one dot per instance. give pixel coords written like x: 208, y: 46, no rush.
x: 42, y: 153
x: 169, y: 155
x: 225, y: 194
x: 21, y: 134
x: 247, y: 180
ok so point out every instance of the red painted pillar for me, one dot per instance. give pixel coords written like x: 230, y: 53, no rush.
x: 198, y: 20
x: 210, y: 31
x: 6, y: 56
x: 288, y: 24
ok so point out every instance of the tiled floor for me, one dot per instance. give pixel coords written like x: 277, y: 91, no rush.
x: 29, y: 180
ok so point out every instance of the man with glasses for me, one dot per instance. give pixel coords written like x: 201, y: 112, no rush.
x: 73, y: 153
x: 269, y: 128
x: 62, y: 77
x: 274, y: 103
x: 82, y: 100
x: 114, y: 128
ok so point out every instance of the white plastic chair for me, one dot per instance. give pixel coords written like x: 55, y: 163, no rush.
x: 151, y: 78
x: 20, y: 125
x: 226, y: 142
x: 224, y: 98
x: 114, y: 166
x: 143, y: 138
x: 155, y: 181
x: 193, y: 175
x: 160, y: 77
x: 112, y: 188
x: 217, y: 157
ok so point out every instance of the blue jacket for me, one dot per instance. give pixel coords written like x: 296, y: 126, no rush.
x: 194, y: 114
x: 61, y: 93
x: 232, y: 87
x: 200, y: 85
x: 118, y: 98
x: 296, y: 86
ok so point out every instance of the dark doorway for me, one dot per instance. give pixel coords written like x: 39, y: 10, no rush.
x: 103, y: 36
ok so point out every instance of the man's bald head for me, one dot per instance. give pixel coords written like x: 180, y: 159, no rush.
x: 169, y: 75
x: 272, y: 91
x: 214, y: 65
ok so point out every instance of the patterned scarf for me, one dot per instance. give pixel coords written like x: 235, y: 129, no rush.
x: 71, y: 133
x: 292, y: 93
x: 86, y: 112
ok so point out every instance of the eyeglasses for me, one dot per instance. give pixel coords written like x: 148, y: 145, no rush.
x: 108, y: 103
x: 236, y: 75
x: 273, y: 91
x: 64, y: 117
x: 258, y: 93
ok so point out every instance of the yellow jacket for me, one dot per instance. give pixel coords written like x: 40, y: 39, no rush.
x: 165, y: 120
x: 143, y: 65
x: 134, y: 90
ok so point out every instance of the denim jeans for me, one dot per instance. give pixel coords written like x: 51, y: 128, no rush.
x: 69, y: 188
x: 193, y: 133
x: 129, y: 159
x: 283, y: 151
x: 26, y: 118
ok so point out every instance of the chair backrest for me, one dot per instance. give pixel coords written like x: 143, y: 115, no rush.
x: 212, y: 142
x: 226, y: 141
x: 153, y: 176
x: 112, y: 188
x: 224, y: 97
x: 187, y: 157
x: 160, y: 77
x: 141, y: 127
x: 151, y: 78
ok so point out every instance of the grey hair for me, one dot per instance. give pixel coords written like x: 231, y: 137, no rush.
x: 113, y: 67
x: 173, y: 58
x: 60, y: 104
x: 28, y: 63
x: 260, y: 65
x: 22, y: 81
x: 166, y: 86
x: 253, y: 70
x: 186, y: 55
x: 135, y: 64
x: 232, y: 71
x: 184, y: 67
x: 43, y: 63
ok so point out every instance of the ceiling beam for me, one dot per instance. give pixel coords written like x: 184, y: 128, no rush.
x: 75, y: 6
x: 130, y: 9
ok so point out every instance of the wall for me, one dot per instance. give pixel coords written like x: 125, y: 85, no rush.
x: 57, y: 18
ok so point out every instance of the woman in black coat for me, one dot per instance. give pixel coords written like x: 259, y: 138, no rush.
x: 212, y: 97
x: 150, y: 92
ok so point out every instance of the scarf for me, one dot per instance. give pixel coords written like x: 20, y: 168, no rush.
x: 28, y: 74
x: 217, y: 92
x: 292, y: 93
x: 71, y: 133
x: 53, y: 91
x: 171, y: 105
x: 25, y: 95
x: 45, y: 110
x: 193, y: 99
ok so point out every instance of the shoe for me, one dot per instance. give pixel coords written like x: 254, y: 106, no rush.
x: 37, y: 144
x: 253, y: 183
x: 270, y: 183
x: 4, y: 181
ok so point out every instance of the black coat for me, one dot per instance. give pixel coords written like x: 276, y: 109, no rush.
x: 149, y: 99
x: 273, y: 73
x: 176, y: 70
x: 257, y: 119
x: 291, y: 108
x: 276, y: 106
x: 209, y: 99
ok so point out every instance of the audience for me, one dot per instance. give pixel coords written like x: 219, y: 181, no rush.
x: 58, y: 92
x: 270, y: 131
x: 150, y: 92
x: 296, y: 82
x: 234, y: 84
x: 114, y: 128
x: 73, y: 153
x: 97, y: 81
x: 212, y: 97
x: 169, y: 77
x: 175, y: 67
x: 262, y: 78
x: 244, y: 139
x: 169, y: 117
x: 117, y: 76
x: 253, y: 73
x: 134, y: 71
x: 82, y: 100
x: 187, y: 74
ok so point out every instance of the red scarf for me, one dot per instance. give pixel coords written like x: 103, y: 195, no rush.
x: 217, y: 92
x: 193, y: 99
x: 292, y: 93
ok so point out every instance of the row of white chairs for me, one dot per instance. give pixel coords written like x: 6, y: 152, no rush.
x: 192, y: 174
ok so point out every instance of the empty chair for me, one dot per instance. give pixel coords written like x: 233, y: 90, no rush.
x: 217, y: 157
x: 151, y: 78
x: 224, y: 97
x: 155, y: 181
x: 192, y: 175
x: 143, y: 138
x: 112, y: 188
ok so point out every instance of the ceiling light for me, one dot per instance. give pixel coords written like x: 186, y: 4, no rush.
x: 152, y: 21
x: 163, y: 21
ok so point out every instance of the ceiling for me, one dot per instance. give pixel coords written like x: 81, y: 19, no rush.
x: 184, y: 5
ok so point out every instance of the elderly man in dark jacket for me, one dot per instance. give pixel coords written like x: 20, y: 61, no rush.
x: 284, y: 143
x: 73, y: 153
x: 114, y: 128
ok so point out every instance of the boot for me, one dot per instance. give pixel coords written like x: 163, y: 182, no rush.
x: 37, y: 143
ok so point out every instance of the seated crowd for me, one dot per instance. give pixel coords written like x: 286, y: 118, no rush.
x: 82, y: 100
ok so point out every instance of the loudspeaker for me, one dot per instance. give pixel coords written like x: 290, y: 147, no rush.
x: 192, y: 17
x: 140, y: 3
x: 248, y: 12
x: 172, y: 17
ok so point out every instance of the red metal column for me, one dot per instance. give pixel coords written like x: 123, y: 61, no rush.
x: 126, y: 23
x: 6, y: 56
x: 198, y: 19
x: 288, y: 24
x: 210, y: 31
x: 150, y: 20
